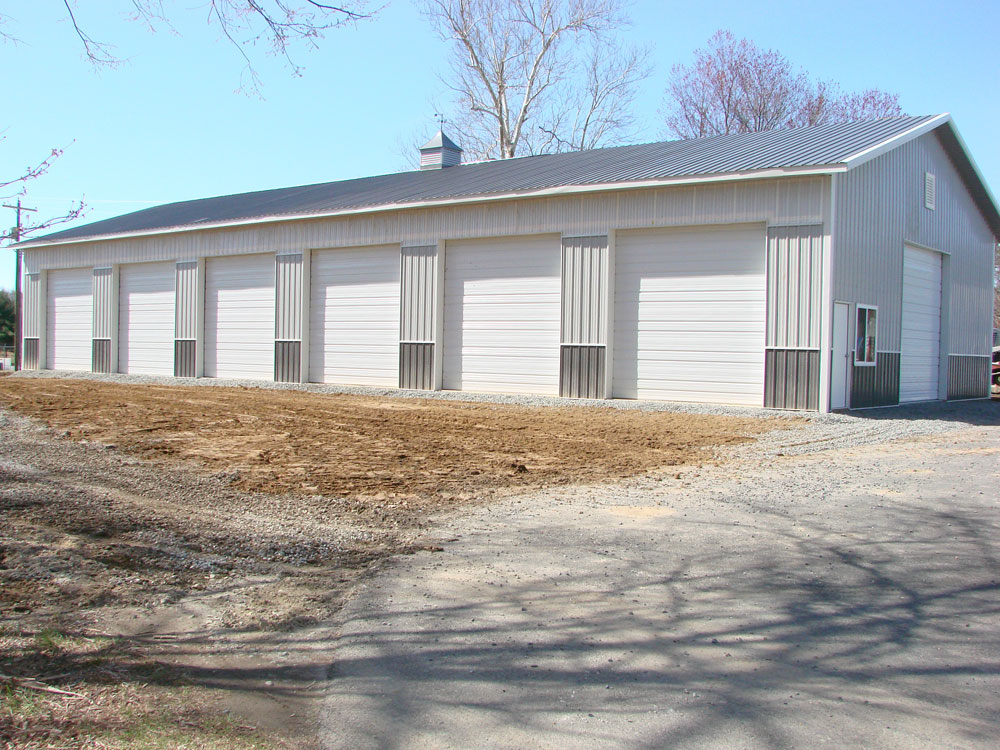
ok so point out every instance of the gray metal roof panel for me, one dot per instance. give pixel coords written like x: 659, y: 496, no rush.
x: 816, y: 146
x: 440, y: 140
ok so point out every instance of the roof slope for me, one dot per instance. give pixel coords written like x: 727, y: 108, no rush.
x: 818, y: 146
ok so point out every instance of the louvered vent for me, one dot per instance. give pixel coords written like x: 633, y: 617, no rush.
x: 930, y: 191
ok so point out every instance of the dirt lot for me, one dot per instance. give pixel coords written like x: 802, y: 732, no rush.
x: 169, y: 553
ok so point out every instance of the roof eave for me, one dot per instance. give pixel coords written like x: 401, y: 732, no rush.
x: 464, y: 200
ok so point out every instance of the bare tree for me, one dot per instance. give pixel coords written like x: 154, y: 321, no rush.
x: 733, y: 86
x: 278, y: 24
x: 536, y: 75
x: 13, y: 187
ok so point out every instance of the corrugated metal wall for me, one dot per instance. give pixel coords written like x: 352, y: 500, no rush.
x: 418, y: 313
x: 780, y: 201
x: 101, y: 357
x: 418, y: 293
x: 287, y: 361
x: 791, y: 379
x: 32, y: 301
x: 880, y: 206
x: 582, y: 371
x: 878, y: 385
x: 584, y: 319
x: 185, y: 358
x: 794, y: 286
x: 968, y: 377
x: 416, y: 365
x: 29, y: 353
x: 187, y: 284
x: 105, y: 303
x: 288, y: 297
x: 584, y: 290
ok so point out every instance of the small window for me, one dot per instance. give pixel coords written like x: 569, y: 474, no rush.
x: 930, y: 191
x: 867, y: 333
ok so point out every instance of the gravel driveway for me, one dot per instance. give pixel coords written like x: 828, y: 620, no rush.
x: 833, y: 586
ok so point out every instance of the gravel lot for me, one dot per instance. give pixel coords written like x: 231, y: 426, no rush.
x: 831, y: 587
x: 191, y: 567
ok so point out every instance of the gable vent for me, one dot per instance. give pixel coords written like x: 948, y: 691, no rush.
x: 930, y: 191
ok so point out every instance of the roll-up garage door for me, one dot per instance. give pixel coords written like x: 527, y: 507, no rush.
x: 689, y: 315
x: 921, y: 333
x: 354, y: 323
x: 146, y: 319
x: 239, y: 317
x: 70, y: 319
x: 501, y: 320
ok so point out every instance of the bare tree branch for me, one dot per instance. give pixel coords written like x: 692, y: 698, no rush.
x: 519, y: 73
x: 281, y: 24
x: 18, y: 187
x: 74, y: 212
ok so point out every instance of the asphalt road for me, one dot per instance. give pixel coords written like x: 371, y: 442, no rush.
x: 847, y: 598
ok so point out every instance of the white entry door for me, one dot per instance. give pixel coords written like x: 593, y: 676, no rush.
x: 841, y: 355
x: 354, y: 319
x: 70, y: 319
x: 239, y: 317
x: 146, y: 319
x: 920, y: 350
x: 501, y: 318
x: 690, y: 314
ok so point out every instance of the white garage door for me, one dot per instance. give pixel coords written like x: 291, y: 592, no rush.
x: 70, y: 319
x: 146, y: 319
x: 920, y: 347
x: 501, y: 319
x: 354, y: 324
x: 239, y: 317
x: 689, y: 315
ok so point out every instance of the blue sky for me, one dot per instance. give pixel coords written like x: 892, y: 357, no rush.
x: 170, y: 125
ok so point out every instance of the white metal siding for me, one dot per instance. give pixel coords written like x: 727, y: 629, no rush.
x: 355, y: 316
x: 585, y: 287
x: 920, y: 357
x: 880, y: 206
x: 31, y: 306
x: 787, y: 200
x: 239, y: 317
x: 419, y: 293
x: 288, y: 302
x: 104, y: 300
x: 186, y: 285
x: 501, y: 320
x: 69, y: 316
x: 146, y: 319
x: 689, y: 315
x: 794, y: 287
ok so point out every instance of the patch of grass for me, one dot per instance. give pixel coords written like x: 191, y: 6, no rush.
x: 19, y: 702
x: 51, y: 640
x: 168, y: 732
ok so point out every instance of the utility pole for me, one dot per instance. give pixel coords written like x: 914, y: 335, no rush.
x: 17, y: 282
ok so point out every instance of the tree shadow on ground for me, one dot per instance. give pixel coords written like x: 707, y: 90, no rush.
x: 843, y: 627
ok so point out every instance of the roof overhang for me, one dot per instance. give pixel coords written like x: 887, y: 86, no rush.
x: 959, y: 153
x: 556, y: 191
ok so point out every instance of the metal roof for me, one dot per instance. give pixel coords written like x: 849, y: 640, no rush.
x: 440, y: 140
x: 824, y: 147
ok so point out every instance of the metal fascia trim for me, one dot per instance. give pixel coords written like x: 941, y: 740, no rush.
x: 890, y: 143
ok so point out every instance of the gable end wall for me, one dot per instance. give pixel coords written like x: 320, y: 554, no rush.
x: 879, y: 208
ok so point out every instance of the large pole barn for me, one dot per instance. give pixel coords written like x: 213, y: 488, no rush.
x: 818, y: 268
